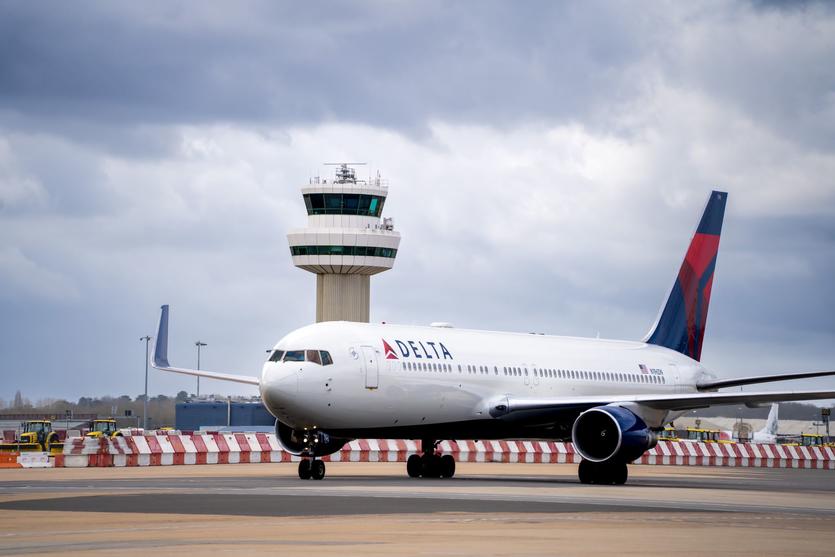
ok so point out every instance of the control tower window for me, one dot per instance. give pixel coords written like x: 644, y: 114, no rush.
x: 350, y: 203
x: 361, y: 251
x: 344, y: 204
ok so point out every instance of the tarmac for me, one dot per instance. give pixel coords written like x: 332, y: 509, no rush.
x: 373, y: 509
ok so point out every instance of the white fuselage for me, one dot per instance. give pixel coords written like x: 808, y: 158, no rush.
x: 404, y: 379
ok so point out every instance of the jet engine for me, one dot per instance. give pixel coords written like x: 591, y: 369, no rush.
x: 611, y: 433
x: 306, y: 442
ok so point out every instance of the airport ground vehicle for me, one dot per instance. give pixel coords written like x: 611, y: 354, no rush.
x: 36, y: 435
x: 668, y: 434
x: 103, y: 428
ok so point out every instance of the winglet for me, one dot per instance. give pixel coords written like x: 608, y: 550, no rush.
x: 160, y: 359
x: 161, y: 345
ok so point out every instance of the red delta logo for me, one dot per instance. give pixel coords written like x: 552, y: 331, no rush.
x: 390, y: 355
x: 417, y: 349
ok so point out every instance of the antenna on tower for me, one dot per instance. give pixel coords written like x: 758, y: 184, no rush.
x: 345, y: 174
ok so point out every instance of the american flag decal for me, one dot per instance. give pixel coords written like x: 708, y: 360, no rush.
x: 644, y: 369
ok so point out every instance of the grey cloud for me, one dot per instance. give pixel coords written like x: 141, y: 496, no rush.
x: 384, y: 64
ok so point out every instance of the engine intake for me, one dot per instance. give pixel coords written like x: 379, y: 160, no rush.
x: 307, y: 442
x: 607, y: 433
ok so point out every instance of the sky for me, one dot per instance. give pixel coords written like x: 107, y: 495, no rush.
x: 547, y: 164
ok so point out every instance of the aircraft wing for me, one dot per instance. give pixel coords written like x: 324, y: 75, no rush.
x: 739, y: 381
x: 160, y: 359
x: 509, y: 406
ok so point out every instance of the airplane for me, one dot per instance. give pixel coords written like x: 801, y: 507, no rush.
x: 331, y: 382
x: 768, y: 434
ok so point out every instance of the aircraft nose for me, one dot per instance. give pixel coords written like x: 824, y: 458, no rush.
x: 279, y: 386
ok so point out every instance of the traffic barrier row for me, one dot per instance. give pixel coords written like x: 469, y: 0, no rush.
x: 234, y: 448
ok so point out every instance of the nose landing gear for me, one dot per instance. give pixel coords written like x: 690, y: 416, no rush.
x: 430, y: 464
x: 310, y: 468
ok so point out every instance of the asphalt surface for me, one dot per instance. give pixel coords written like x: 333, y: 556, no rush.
x: 372, y: 509
x: 286, y: 495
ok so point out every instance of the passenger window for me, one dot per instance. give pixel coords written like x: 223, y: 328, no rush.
x: 326, y: 357
x: 276, y: 355
x: 294, y: 356
x: 313, y: 356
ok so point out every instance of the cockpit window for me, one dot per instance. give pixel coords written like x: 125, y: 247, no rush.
x: 294, y: 356
x: 313, y: 356
x: 276, y: 356
x: 326, y: 358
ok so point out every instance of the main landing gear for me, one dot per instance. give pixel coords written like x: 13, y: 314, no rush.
x: 603, y: 473
x: 430, y: 464
x: 310, y: 468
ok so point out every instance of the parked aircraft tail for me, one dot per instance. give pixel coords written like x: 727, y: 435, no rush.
x: 771, y: 423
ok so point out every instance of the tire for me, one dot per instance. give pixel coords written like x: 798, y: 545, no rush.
x: 431, y: 466
x: 304, y: 469
x: 317, y: 469
x: 620, y: 473
x: 586, y: 472
x: 414, y: 466
x: 447, y: 466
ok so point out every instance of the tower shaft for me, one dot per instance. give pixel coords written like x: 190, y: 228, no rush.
x: 343, y: 297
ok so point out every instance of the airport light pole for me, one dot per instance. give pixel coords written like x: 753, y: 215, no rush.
x: 199, y: 345
x: 147, y: 340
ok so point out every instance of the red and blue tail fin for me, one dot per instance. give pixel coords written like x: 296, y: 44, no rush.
x: 681, y: 323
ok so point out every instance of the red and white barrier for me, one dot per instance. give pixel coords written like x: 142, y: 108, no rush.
x: 748, y: 455
x: 234, y: 448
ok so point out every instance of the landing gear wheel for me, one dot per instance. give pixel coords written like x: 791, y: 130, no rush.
x: 305, y: 470
x: 431, y: 466
x: 602, y: 473
x: 317, y: 469
x: 619, y: 473
x: 586, y: 472
x: 414, y: 466
x: 447, y: 466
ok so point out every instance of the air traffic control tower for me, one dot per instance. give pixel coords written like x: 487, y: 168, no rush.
x: 345, y: 242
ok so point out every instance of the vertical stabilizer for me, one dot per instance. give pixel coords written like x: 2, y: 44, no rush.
x: 771, y: 423
x: 681, y: 323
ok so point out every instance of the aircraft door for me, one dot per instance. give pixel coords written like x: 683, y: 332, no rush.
x: 370, y: 367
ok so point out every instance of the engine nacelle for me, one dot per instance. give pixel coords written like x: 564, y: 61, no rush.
x: 307, y: 442
x: 609, y: 433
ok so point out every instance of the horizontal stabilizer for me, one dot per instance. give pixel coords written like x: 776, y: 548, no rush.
x: 160, y: 358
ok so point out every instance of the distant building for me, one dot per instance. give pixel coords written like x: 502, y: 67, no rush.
x: 221, y: 414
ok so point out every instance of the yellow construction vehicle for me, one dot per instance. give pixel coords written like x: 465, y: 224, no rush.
x: 707, y: 435
x: 36, y: 435
x: 812, y: 440
x: 668, y: 434
x: 103, y: 428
